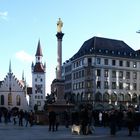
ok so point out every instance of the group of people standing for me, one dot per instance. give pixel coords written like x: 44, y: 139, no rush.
x: 129, y: 119
x: 87, y: 119
x: 21, y: 118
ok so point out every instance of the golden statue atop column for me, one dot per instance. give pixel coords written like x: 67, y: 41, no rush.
x: 59, y: 25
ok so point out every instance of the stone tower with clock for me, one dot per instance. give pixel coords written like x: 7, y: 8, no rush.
x: 38, y: 81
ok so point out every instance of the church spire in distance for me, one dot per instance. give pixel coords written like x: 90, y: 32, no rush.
x: 39, y: 50
x: 10, y: 70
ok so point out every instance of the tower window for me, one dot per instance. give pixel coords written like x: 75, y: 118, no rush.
x: 113, y: 62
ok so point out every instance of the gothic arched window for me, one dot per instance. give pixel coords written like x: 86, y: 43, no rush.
x: 9, y: 99
x: 134, y: 98
x: 106, y: 97
x: 127, y: 98
x: 98, y: 97
x: 121, y: 97
x: 113, y: 97
x: 18, y: 100
x: 2, y: 99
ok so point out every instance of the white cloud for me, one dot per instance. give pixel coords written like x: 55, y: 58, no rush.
x: 23, y: 56
x: 3, y: 14
x: 99, y: 35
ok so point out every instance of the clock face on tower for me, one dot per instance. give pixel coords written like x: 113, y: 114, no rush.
x: 38, y: 88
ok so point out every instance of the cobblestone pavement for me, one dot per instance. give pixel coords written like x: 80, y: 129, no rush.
x: 37, y: 132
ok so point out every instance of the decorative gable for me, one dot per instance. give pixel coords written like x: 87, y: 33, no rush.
x: 11, y: 82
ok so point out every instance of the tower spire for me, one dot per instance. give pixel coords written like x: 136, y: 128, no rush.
x: 23, y: 75
x: 39, y: 50
x: 10, y: 70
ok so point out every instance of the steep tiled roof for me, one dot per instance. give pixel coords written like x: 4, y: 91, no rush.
x: 105, y: 46
x: 39, y: 50
x: 39, y: 67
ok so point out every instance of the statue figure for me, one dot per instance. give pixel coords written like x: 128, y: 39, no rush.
x: 59, y: 25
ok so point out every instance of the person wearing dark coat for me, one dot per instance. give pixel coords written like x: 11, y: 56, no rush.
x: 52, y: 120
x: 112, y: 120
x: 84, y: 121
x: 130, y: 121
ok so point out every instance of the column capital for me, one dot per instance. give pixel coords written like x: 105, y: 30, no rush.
x: 59, y: 35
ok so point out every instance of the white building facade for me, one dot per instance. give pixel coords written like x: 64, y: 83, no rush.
x: 13, y: 93
x: 38, y: 81
x: 104, y: 72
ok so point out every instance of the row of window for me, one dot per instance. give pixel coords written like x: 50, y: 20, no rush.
x: 10, y: 100
x: 107, y: 85
x: 78, y: 63
x: 36, y: 79
x: 121, y: 85
x: 121, y: 74
x: 106, y: 97
x: 78, y: 74
x: 38, y: 97
x: 115, y: 62
x: 106, y: 61
x: 107, y: 73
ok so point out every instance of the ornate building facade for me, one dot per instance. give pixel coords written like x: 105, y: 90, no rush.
x: 104, y: 72
x: 13, y: 93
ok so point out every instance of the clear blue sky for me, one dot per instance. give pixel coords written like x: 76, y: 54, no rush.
x: 24, y: 22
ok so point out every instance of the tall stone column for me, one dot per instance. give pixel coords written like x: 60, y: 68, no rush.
x: 59, y: 36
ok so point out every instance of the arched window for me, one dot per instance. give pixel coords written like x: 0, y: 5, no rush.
x: 113, y: 97
x: 120, y: 97
x: 18, y: 100
x: 134, y: 98
x: 9, y: 99
x: 2, y: 99
x: 106, y: 97
x: 78, y: 97
x: 98, y: 97
x: 127, y: 98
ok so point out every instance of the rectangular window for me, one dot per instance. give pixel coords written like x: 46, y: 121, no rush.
x: 105, y: 61
x: 82, y: 84
x: 106, y: 85
x: 105, y: 73
x: 88, y: 84
x: 134, y: 75
x: 127, y: 86
x: 120, y: 85
x: 98, y: 84
x: 127, y: 75
x: 134, y: 86
x: 98, y: 60
x: 89, y: 61
x: 127, y: 64
x: 134, y: 64
x: 98, y: 72
x: 113, y: 62
x: 121, y: 63
x: 74, y: 86
x: 120, y: 74
x: 113, y: 74
x: 113, y: 85
x: 83, y: 73
x: 80, y: 74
